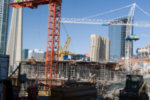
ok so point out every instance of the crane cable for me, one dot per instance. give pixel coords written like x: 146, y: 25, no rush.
x: 110, y: 11
x: 65, y: 29
x: 66, y: 32
x: 145, y: 12
x: 86, y: 20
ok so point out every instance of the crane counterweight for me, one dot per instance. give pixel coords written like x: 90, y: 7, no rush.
x: 32, y: 3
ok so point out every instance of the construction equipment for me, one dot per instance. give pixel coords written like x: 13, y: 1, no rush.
x: 129, y: 28
x: 91, y: 78
x: 52, y: 51
x: 132, y: 37
x: 135, y: 89
x: 129, y: 42
x: 89, y: 20
x: 64, y: 50
x: 75, y: 91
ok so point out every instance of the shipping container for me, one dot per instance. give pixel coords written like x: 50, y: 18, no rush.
x: 4, y: 63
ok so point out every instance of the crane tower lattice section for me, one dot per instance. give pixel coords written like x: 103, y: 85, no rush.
x: 52, y: 51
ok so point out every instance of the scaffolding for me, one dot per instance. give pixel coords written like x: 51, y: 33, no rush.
x: 73, y: 70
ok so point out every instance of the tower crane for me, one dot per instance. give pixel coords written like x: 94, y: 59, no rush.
x: 101, y: 22
x: 129, y: 42
x: 129, y: 26
x: 52, y: 51
x: 53, y: 35
x: 64, y: 50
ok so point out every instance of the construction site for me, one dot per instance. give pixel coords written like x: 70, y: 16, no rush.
x: 105, y: 73
x: 74, y: 70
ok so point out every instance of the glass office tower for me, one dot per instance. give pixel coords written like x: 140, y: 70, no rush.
x: 117, y: 34
x: 4, y: 12
x: 25, y: 53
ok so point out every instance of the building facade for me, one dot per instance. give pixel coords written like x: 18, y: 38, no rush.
x: 14, y: 47
x: 143, y: 52
x: 4, y: 15
x: 99, y: 48
x: 36, y: 54
x: 25, y: 54
x: 117, y: 35
x: 139, y: 65
x: 104, y: 48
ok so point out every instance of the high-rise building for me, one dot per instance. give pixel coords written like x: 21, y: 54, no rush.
x: 104, y: 48
x: 25, y: 54
x: 143, y: 52
x: 117, y: 35
x: 14, y: 47
x: 4, y: 13
x: 45, y: 55
x: 99, y: 49
x: 36, y: 54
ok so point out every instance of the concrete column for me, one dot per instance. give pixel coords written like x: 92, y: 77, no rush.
x: 14, y: 48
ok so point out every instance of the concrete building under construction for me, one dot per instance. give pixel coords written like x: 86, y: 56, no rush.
x: 143, y: 52
x: 71, y: 70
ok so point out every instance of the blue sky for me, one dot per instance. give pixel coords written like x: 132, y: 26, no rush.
x: 35, y: 23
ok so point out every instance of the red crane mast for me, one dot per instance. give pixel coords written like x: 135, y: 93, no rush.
x: 53, y: 35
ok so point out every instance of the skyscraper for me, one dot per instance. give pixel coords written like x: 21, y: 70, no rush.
x: 4, y: 12
x: 104, y: 49
x: 94, y: 47
x: 36, y: 54
x: 99, y: 49
x: 14, y: 48
x: 25, y: 54
x: 117, y: 34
